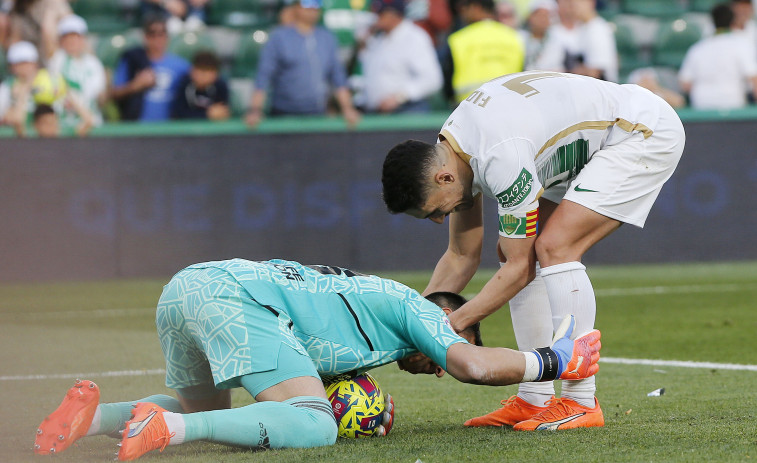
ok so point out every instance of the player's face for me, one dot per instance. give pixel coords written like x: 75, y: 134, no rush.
x: 443, y: 200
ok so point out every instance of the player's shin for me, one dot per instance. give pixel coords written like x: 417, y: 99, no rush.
x: 531, y: 317
x: 565, y: 358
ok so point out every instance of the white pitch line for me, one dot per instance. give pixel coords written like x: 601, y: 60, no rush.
x: 607, y: 292
x: 679, y: 363
x: 624, y: 361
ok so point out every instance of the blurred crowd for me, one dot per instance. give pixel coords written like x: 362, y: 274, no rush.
x: 352, y: 57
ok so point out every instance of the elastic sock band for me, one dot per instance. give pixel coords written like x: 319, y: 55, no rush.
x: 560, y: 268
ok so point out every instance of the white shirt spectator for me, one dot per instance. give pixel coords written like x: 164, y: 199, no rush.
x: 560, y: 42
x: 85, y: 77
x: 401, y: 63
x: 596, y: 43
x: 719, y: 70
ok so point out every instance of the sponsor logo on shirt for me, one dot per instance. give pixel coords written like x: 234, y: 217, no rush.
x: 518, y: 191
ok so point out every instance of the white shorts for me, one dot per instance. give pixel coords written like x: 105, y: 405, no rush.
x: 622, y: 181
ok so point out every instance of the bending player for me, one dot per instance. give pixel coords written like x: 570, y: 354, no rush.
x: 568, y: 159
x: 276, y: 328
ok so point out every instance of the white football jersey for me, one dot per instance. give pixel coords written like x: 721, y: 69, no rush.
x: 527, y: 132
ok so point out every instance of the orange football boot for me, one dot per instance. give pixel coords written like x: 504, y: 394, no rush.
x: 70, y: 421
x: 564, y: 414
x: 144, y: 432
x: 514, y: 410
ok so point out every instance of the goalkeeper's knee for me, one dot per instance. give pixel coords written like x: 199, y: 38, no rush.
x: 317, y: 425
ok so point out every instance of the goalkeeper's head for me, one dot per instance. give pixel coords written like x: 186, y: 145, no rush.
x: 453, y: 301
x: 420, y: 363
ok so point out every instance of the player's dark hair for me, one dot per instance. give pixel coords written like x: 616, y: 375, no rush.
x: 722, y: 16
x: 404, y: 175
x: 487, y: 5
x: 153, y: 18
x: 454, y: 301
x: 205, y: 59
x: 42, y: 110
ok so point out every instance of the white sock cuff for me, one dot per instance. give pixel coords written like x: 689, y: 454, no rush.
x: 560, y: 268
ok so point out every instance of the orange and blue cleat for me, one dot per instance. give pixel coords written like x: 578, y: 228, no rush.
x: 70, y: 421
x: 564, y: 414
x: 145, y: 432
x: 514, y: 410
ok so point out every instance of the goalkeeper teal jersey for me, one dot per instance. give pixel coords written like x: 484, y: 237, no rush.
x: 347, y: 322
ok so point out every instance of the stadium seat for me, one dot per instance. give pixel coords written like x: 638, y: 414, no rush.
x: 109, y: 48
x: 630, y: 54
x: 654, y: 8
x: 240, y: 92
x: 703, y: 6
x: 674, y: 38
x: 103, y: 17
x: 189, y: 43
x: 243, y: 14
x: 245, y: 63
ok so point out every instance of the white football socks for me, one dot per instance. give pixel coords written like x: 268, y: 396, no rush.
x: 530, y: 313
x: 570, y: 292
x: 176, y: 426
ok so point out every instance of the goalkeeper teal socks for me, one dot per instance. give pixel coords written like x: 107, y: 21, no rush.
x: 111, y: 418
x: 299, y: 422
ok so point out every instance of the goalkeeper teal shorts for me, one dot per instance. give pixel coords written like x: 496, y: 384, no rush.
x: 213, y: 332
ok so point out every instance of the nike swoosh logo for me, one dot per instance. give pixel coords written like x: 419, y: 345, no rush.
x: 554, y: 425
x: 134, y: 431
x: 583, y: 190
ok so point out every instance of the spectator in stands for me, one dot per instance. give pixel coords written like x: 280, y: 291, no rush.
x: 5, y: 8
x: 652, y: 79
x: 480, y: 51
x: 597, y: 54
x: 30, y: 85
x: 719, y: 71
x: 400, y: 67
x: 146, y: 77
x: 203, y: 93
x: 180, y: 15
x: 534, y: 35
x: 45, y: 121
x: 299, y: 66
x: 561, y: 42
x: 743, y: 21
x: 434, y: 16
x: 83, y: 72
x: 35, y: 21
x: 507, y: 14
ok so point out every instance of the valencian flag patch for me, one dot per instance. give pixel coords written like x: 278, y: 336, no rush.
x: 532, y: 223
x: 518, y: 226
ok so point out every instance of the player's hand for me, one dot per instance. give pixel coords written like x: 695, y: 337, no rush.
x: 387, y: 418
x: 420, y: 364
x: 578, y: 358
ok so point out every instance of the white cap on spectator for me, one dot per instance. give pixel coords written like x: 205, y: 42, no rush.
x: 550, y: 5
x: 22, y: 52
x: 72, y: 24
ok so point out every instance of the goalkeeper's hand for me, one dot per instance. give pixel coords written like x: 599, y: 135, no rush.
x: 577, y: 358
x: 387, y: 418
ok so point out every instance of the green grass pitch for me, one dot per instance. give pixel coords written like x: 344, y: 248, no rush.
x: 694, y: 312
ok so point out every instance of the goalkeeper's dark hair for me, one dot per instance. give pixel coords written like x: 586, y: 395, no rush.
x: 454, y: 301
x: 404, y: 175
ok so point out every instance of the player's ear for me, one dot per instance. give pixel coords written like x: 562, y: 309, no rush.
x: 443, y: 177
x: 439, y: 372
x: 447, y: 310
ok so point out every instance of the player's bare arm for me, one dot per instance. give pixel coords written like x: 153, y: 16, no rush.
x: 517, y: 271
x: 499, y: 366
x: 461, y: 259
